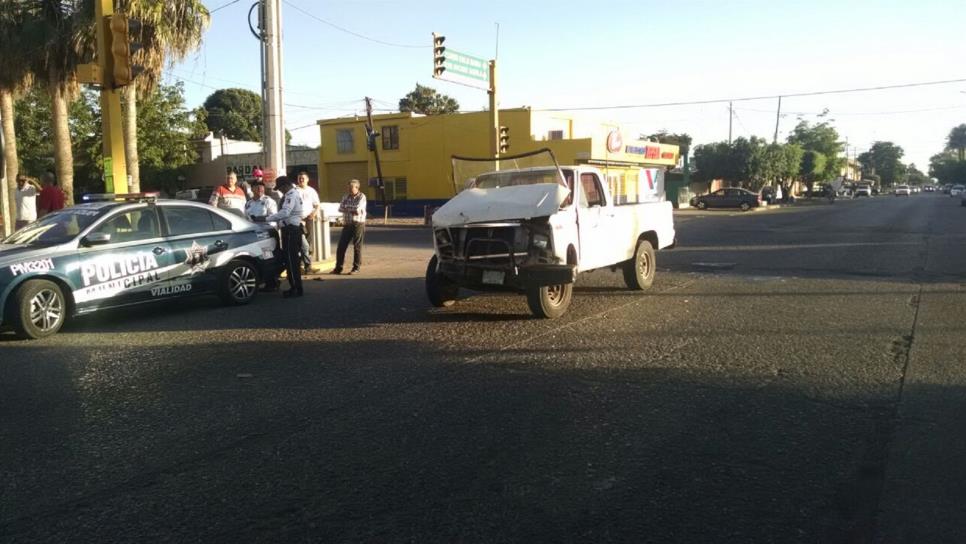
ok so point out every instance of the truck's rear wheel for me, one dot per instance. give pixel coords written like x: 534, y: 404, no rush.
x: 550, y: 301
x: 441, y: 291
x: 639, y: 271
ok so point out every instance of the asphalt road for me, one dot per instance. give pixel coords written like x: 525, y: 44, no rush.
x: 794, y: 375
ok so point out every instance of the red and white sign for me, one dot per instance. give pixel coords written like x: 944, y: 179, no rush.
x: 615, y: 142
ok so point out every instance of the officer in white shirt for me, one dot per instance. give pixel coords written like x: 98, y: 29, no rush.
x: 289, y: 218
x: 260, y: 206
x: 310, y: 214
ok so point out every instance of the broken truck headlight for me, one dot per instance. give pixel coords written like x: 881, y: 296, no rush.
x: 541, y: 241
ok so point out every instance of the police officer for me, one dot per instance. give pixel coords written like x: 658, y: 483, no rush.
x: 289, y: 218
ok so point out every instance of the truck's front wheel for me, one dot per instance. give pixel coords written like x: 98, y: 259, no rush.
x: 441, y: 291
x: 550, y: 301
x: 639, y: 271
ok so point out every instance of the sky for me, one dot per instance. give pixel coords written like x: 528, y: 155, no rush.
x: 570, y: 54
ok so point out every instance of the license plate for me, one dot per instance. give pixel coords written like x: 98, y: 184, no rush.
x: 493, y: 277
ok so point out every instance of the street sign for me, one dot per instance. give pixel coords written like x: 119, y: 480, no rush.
x: 465, y: 69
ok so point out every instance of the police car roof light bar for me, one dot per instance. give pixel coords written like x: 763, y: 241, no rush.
x: 107, y: 197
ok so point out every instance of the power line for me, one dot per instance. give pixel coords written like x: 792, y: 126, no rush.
x: 353, y: 33
x: 223, y: 6
x: 750, y: 98
x: 861, y: 112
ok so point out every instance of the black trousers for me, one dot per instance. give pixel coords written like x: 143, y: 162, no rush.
x: 355, y: 233
x: 292, y: 246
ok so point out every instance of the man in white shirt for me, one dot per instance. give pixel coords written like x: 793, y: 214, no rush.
x: 310, y: 213
x: 27, y: 191
x: 260, y: 206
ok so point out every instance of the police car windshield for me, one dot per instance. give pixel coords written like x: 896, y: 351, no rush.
x: 56, y: 228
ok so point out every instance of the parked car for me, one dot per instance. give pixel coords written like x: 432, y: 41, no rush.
x: 110, y: 253
x: 957, y: 190
x: 947, y: 188
x: 730, y: 197
x: 195, y: 194
x: 531, y: 230
x: 902, y: 190
x: 863, y: 190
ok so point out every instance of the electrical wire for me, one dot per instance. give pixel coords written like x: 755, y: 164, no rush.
x: 353, y: 33
x: 750, y: 98
x: 898, y: 112
x: 223, y: 6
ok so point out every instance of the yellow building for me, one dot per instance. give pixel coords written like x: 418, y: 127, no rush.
x: 415, y: 151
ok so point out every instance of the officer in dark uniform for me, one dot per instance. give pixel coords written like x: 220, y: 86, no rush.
x: 289, y: 218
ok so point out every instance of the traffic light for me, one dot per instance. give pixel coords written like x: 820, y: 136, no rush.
x: 125, y: 42
x: 504, y: 139
x: 439, y: 55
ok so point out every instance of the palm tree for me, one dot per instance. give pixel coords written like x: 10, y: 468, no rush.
x: 170, y: 29
x: 14, y: 77
x: 957, y: 141
x: 66, y: 31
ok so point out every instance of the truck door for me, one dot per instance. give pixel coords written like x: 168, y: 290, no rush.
x: 590, y: 219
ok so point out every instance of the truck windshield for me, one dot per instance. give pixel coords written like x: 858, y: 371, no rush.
x: 55, y: 228
x: 493, y: 180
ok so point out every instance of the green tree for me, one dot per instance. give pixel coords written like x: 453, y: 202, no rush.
x: 427, y: 101
x: 791, y: 163
x: 169, y: 30
x: 235, y: 114
x: 165, y: 147
x: 14, y: 78
x: 820, y: 138
x: 947, y: 168
x: 883, y: 158
x: 956, y: 141
x: 812, y: 167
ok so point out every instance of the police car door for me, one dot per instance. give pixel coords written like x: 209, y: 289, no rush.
x: 199, y: 238
x: 122, y: 259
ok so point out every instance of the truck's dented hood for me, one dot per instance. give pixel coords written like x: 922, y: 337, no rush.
x: 501, y: 204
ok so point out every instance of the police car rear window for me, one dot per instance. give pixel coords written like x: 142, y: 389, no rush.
x: 191, y: 220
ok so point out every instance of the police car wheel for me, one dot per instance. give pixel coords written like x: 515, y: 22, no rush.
x: 39, y: 309
x: 239, y: 282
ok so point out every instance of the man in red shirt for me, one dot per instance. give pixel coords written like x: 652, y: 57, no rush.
x: 229, y: 196
x: 51, y: 197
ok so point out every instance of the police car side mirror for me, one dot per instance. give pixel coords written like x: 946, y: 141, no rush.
x: 96, y: 239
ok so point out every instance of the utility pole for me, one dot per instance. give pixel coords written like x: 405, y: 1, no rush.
x: 115, y: 165
x: 778, y: 116
x: 274, y: 143
x: 494, y: 114
x: 731, y: 116
x: 374, y: 147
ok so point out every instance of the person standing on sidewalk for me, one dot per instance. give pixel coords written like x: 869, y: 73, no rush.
x: 289, y: 218
x: 27, y: 191
x: 229, y: 196
x: 51, y: 197
x: 310, y: 213
x: 353, y: 208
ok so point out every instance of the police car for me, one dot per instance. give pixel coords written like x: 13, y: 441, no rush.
x: 121, y: 250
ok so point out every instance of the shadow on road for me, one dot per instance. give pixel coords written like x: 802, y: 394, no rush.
x: 373, y: 441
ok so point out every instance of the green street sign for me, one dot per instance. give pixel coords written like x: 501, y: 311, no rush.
x: 467, y: 65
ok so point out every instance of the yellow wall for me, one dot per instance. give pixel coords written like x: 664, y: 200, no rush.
x: 427, y: 143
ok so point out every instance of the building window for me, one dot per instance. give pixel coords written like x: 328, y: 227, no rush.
x: 390, y: 137
x: 555, y: 135
x: 396, y: 188
x: 343, y: 140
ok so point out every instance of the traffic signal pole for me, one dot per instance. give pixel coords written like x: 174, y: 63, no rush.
x: 115, y: 166
x: 494, y: 114
x: 274, y: 144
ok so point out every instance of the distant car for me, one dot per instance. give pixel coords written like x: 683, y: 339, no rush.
x: 195, y: 194
x: 957, y: 190
x: 863, y: 190
x: 730, y: 197
x: 110, y: 253
x: 928, y: 189
x: 903, y: 190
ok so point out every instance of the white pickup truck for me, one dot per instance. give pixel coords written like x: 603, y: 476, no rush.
x: 524, y: 228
